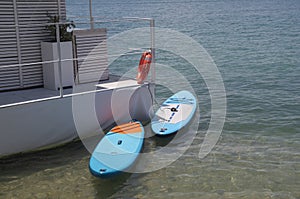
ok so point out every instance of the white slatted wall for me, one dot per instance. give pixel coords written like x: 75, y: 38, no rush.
x: 29, y: 38
x: 9, y: 76
x: 91, y: 47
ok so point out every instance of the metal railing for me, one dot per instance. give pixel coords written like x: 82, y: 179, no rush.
x: 60, y: 60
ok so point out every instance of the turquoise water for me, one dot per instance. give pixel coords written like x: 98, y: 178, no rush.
x: 256, y: 46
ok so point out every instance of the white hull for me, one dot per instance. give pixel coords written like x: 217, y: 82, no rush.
x: 31, y: 126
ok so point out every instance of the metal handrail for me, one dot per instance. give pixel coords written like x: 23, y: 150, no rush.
x: 61, y: 94
x: 66, y: 60
x: 39, y: 24
x: 64, y: 22
x: 67, y: 95
x: 60, y: 60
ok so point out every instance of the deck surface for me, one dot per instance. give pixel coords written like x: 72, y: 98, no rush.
x: 8, y: 98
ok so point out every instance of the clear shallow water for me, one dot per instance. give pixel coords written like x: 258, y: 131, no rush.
x: 256, y: 46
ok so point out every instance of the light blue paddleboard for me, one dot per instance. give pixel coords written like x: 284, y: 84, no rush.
x: 175, y: 113
x: 117, y: 150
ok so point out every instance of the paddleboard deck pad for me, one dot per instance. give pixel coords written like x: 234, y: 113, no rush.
x: 117, y: 150
x: 175, y: 113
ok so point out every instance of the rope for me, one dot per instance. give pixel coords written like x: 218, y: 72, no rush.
x: 160, y: 107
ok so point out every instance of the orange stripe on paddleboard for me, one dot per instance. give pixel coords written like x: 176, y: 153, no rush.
x: 127, y: 124
x: 127, y: 128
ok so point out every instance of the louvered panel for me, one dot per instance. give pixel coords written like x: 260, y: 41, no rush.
x: 34, y: 12
x: 29, y: 46
x: 29, y: 12
x: 93, y: 60
x: 32, y: 83
x: 8, y: 55
x: 5, y: 7
x: 28, y: 59
x: 31, y: 53
x: 5, y: 12
x: 7, y: 33
x: 39, y: 13
x: 32, y: 31
x: 9, y: 43
x: 8, y: 47
x: 34, y: 79
x: 85, y: 47
x: 4, y: 2
x: 9, y: 76
x: 8, y: 38
x: 9, y: 73
x: 6, y: 19
x: 91, y: 51
x: 32, y: 28
x: 32, y: 75
x: 8, y: 62
x: 14, y: 87
x: 7, y: 83
x: 93, y: 66
x: 33, y: 39
x: 7, y: 3
x: 8, y: 50
x: 88, y: 39
x: 91, y: 54
x: 4, y: 23
x: 29, y: 3
x: 32, y: 20
x: 9, y: 70
x: 89, y: 43
x: 95, y: 69
x: 30, y: 68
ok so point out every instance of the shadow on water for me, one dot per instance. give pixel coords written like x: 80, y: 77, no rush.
x: 161, y: 141
x: 108, y: 186
x: 152, y: 141
x: 20, y: 165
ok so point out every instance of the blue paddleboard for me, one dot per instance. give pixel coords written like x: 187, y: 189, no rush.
x: 117, y: 150
x: 175, y: 113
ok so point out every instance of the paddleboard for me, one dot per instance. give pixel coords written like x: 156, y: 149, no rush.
x: 175, y: 113
x: 117, y: 150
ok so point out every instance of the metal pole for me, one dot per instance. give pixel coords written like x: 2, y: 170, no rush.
x: 152, y: 81
x: 91, y: 15
x: 59, y: 60
x: 59, y: 9
x: 152, y: 33
x: 18, y: 43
